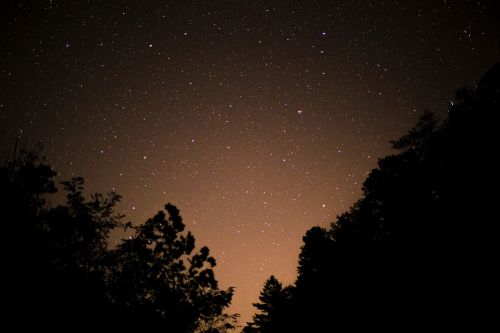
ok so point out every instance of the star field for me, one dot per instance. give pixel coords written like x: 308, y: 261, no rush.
x: 257, y: 119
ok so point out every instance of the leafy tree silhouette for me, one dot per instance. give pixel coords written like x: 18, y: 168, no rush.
x: 416, y: 249
x: 218, y: 324
x: 158, y: 279
x: 24, y: 183
x: 77, y: 253
x: 59, y: 271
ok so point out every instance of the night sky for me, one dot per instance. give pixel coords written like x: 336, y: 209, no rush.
x: 257, y: 119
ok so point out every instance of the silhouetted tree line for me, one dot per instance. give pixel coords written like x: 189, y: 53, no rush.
x: 59, y: 274
x: 419, y: 249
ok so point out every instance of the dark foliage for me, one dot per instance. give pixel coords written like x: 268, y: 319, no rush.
x: 417, y: 250
x: 59, y: 273
x: 157, y: 278
x: 272, y: 308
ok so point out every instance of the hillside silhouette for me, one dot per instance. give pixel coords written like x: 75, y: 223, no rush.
x: 417, y: 250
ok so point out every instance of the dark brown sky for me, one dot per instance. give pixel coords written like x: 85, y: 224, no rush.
x: 258, y: 119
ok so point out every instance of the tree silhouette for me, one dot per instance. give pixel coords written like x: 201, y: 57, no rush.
x: 59, y: 271
x: 25, y: 181
x: 218, y: 324
x: 77, y: 253
x: 272, y: 308
x: 158, y: 277
x: 417, y: 247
